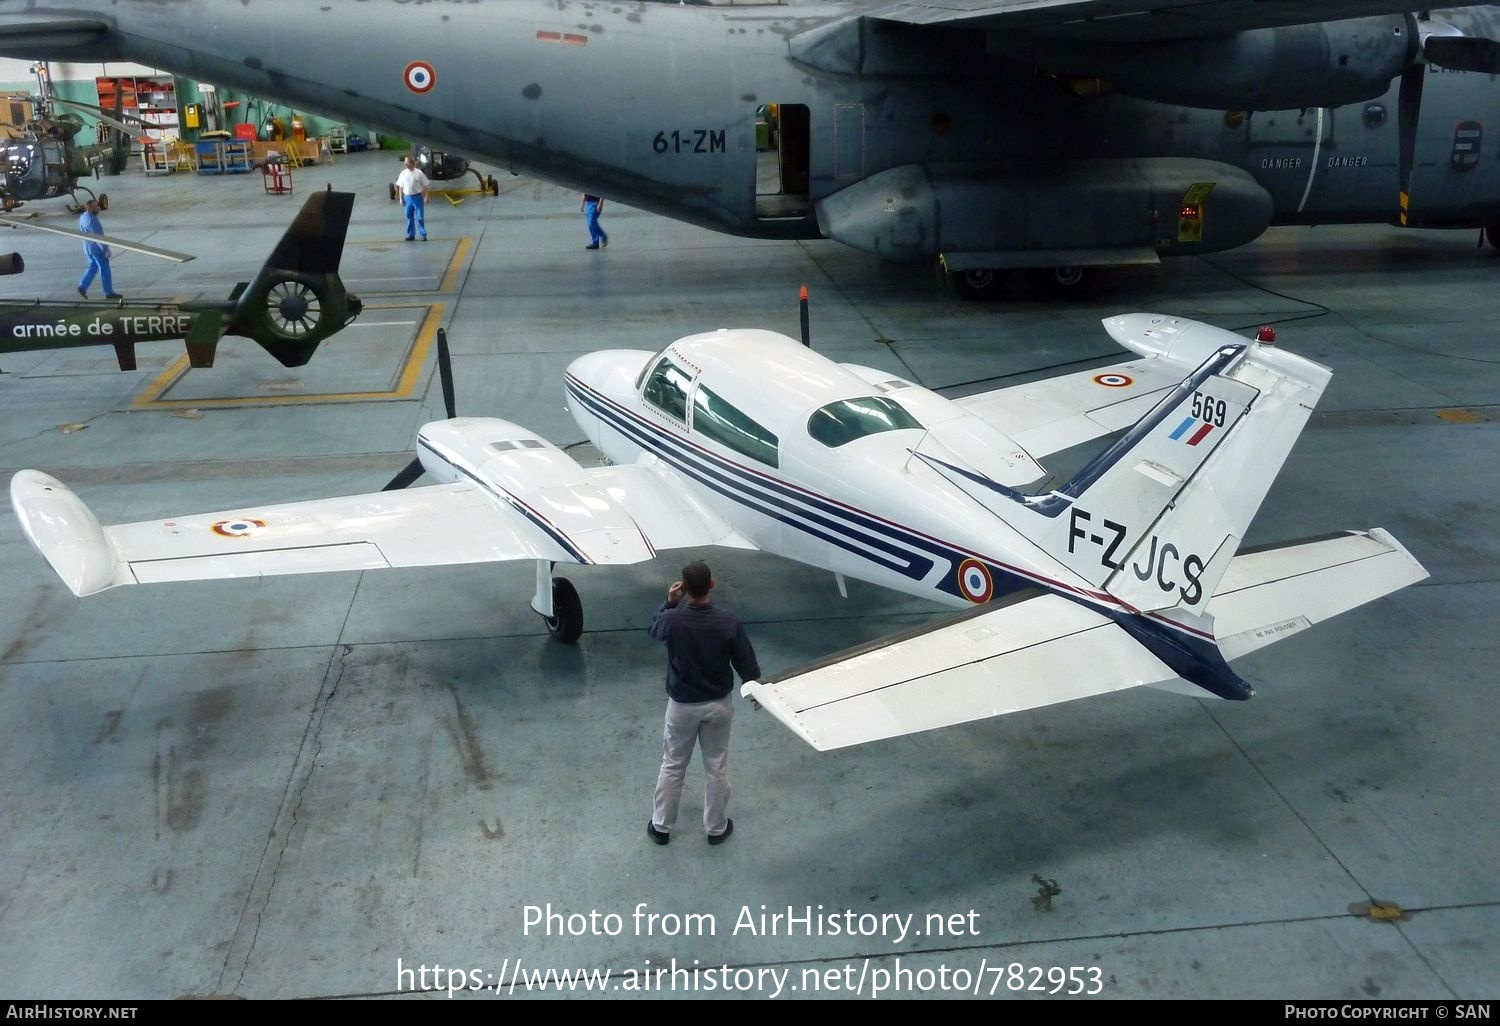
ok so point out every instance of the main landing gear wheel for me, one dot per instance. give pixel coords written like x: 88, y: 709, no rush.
x: 566, y: 622
x: 490, y: 185
x: 981, y: 283
x: 1060, y: 280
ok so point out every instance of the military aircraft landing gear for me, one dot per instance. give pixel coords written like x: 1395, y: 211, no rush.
x: 566, y: 622
x: 979, y: 283
x: 1065, y: 280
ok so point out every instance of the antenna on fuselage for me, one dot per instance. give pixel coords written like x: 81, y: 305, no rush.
x: 806, y: 332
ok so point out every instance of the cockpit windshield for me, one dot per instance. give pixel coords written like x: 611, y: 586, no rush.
x: 18, y: 157
x: 842, y: 422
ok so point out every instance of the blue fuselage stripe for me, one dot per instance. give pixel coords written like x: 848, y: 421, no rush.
x: 831, y: 522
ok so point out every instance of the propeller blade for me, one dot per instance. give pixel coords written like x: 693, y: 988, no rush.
x: 110, y: 118
x: 408, y: 474
x: 445, y: 373
x: 1462, y: 53
x: 108, y: 240
x: 1409, y: 113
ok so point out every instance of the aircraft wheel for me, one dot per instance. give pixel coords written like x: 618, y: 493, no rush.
x: 566, y: 622
x: 980, y: 283
x: 9, y: 202
x: 491, y: 186
x: 393, y: 192
x: 1070, y: 278
x: 1491, y: 233
x: 104, y: 201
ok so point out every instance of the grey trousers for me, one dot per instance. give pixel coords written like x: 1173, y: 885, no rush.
x: 707, y: 724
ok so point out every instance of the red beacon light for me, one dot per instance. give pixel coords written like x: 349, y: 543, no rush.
x: 1266, y: 336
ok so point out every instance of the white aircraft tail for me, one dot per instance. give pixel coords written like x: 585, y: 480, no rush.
x: 1156, y: 518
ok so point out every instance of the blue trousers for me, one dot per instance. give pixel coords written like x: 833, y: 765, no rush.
x: 416, y: 216
x: 98, y: 265
x: 596, y: 234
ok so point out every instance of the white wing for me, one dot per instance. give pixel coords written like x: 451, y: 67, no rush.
x: 1035, y: 652
x: 553, y: 510
x: 427, y: 526
x: 1045, y: 649
x: 665, y: 509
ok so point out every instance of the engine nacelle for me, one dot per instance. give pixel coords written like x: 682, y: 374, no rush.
x: 1324, y: 64
x: 1173, y: 206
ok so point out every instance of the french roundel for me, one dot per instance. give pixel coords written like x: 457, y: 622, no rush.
x: 420, y: 77
x: 1114, y: 380
x: 974, y: 581
x: 237, y: 528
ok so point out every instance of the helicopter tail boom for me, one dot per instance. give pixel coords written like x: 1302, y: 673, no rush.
x: 297, y: 299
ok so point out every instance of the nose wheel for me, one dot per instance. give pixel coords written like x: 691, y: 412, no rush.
x: 566, y: 622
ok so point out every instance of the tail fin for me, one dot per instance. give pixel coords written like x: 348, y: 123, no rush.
x: 1156, y: 518
x: 297, y: 300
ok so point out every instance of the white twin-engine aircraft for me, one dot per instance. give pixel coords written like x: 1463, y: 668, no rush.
x: 1128, y: 573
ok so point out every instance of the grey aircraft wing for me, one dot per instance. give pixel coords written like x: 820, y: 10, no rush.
x: 1128, y: 21
x: 49, y: 34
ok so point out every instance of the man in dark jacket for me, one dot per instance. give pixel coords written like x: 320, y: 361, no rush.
x: 705, y: 646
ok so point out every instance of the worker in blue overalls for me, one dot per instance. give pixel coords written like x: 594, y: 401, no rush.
x: 97, y: 252
x: 592, y: 207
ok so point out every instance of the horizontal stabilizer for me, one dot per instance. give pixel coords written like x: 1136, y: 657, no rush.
x: 1273, y: 593
x: 1040, y: 649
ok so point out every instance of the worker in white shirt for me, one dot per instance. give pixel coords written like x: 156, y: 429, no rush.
x: 413, y: 185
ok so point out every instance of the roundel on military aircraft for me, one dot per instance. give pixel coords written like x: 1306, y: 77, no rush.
x: 1114, y: 380
x: 420, y: 77
x: 974, y: 581
x: 238, y: 528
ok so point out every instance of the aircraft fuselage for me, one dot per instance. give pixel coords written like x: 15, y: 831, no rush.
x: 895, y: 522
x: 723, y: 117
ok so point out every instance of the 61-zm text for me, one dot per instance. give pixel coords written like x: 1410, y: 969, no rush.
x: 694, y: 140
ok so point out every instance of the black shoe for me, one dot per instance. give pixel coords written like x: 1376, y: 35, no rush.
x: 659, y: 836
x: 410, y: 239
x: 83, y: 292
x: 113, y: 295
x: 592, y: 245
x: 721, y: 838
x: 603, y: 243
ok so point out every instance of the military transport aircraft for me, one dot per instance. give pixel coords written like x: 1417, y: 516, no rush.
x: 1127, y: 573
x: 990, y: 134
x: 295, y: 301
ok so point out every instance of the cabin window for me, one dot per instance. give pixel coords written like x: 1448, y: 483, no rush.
x: 714, y: 418
x: 667, y: 389
x: 842, y: 422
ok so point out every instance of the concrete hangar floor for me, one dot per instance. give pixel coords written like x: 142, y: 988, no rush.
x: 296, y: 786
